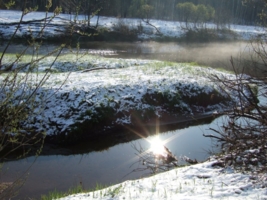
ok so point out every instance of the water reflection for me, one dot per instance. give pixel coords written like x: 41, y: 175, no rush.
x: 107, y: 167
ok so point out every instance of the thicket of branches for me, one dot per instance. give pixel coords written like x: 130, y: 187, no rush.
x: 21, y: 95
x: 243, y: 136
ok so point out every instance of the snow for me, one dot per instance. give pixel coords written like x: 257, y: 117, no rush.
x: 122, y: 88
x: 200, y: 181
x: 166, y: 28
x: 126, y: 81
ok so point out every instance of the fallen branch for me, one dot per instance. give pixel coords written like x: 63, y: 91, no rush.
x: 97, y: 68
x: 147, y: 22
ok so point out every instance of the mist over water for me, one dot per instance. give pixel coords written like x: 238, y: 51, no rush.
x: 215, y: 55
x: 212, y: 54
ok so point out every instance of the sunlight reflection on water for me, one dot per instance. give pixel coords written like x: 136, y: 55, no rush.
x: 107, y: 167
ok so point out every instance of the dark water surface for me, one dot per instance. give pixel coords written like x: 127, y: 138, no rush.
x: 108, y: 167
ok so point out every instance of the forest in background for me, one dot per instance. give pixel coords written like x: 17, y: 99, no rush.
x: 217, y: 11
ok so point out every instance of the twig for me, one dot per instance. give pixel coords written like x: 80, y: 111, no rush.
x: 97, y: 68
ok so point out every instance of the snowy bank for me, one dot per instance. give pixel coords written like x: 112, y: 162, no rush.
x: 122, y: 92
x: 59, y: 25
x: 201, y: 181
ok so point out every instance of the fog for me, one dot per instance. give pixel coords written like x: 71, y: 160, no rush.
x: 216, y: 55
x: 208, y: 54
x: 212, y: 54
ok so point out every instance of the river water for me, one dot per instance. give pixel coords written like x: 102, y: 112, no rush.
x: 116, y: 164
x: 110, y: 166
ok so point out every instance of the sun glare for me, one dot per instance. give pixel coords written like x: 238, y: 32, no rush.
x: 157, y: 146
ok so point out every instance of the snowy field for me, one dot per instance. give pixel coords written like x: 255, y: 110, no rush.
x: 116, y: 86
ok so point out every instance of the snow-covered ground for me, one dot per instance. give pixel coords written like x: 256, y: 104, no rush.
x: 166, y: 28
x: 122, y: 86
x: 202, y: 181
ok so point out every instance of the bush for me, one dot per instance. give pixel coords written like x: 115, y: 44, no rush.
x: 243, y: 136
x: 208, y: 35
x: 20, y: 83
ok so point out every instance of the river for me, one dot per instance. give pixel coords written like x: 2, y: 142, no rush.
x: 116, y: 164
x: 113, y: 165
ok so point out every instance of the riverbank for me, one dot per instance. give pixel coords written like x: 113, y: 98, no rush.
x: 201, y: 181
x: 62, y: 28
x: 117, y: 92
x: 119, y: 134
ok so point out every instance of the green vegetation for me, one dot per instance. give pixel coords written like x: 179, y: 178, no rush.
x: 205, y: 35
x: 198, y: 14
x: 19, y: 94
x: 220, y: 11
x: 75, y: 190
x: 98, y: 191
x: 141, y: 9
x: 56, y: 194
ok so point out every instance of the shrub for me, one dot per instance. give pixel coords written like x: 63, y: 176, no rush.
x: 243, y: 135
